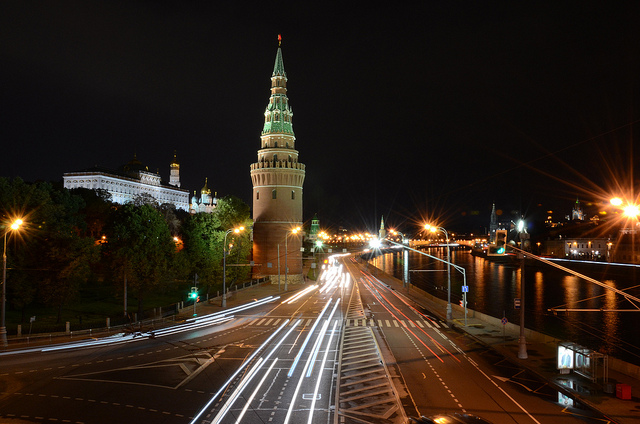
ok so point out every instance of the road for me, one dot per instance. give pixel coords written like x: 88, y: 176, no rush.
x: 348, y: 350
x: 445, y: 370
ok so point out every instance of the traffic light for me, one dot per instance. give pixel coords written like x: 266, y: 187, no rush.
x: 501, y: 241
x: 194, y: 293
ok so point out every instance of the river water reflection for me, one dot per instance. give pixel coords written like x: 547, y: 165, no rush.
x: 493, y: 288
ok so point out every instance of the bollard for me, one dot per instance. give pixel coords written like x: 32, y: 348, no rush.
x: 19, y: 330
x: 68, y: 327
x: 108, y: 322
x: 135, y: 317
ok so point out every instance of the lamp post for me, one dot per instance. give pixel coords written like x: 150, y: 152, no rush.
x: 522, y: 341
x: 224, y: 264
x: 405, y: 258
x: 286, y: 264
x: 446, y: 235
x: 15, y: 225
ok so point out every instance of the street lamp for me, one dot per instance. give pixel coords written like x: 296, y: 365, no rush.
x: 15, y: 225
x: 286, y: 264
x: 224, y: 264
x: 522, y: 341
x: 433, y: 229
x: 405, y: 258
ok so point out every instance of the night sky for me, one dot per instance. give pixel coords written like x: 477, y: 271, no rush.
x: 412, y: 113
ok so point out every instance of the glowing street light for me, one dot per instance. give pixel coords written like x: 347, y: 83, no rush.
x: 433, y: 229
x: 15, y: 226
x: 286, y: 265
x: 236, y: 230
x: 631, y: 211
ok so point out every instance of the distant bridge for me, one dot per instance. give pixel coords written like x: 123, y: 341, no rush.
x: 464, y: 244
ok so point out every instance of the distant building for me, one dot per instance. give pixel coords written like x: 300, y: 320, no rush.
x: 577, y: 214
x: 206, y: 203
x: 131, y: 180
x: 382, y: 233
x: 315, y: 228
x: 493, y: 225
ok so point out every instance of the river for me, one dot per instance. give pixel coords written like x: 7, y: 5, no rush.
x: 493, y: 288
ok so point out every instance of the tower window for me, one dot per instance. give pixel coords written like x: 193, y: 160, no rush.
x: 293, y: 195
x: 273, y: 193
x: 275, y: 144
x: 257, y: 195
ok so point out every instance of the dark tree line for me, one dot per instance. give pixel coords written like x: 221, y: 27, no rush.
x: 73, y: 239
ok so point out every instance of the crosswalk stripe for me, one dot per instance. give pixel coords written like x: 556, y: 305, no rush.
x: 388, y: 323
x: 261, y: 321
x: 412, y: 323
x: 420, y: 324
x: 267, y: 323
x: 379, y: 323
x: 428, y: 324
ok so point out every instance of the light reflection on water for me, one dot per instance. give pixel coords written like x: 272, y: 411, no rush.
x: 493, y: 288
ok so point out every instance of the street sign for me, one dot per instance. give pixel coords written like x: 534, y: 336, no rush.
x: 465, y: 289
x: 504, y: 320
x: 516, y: 303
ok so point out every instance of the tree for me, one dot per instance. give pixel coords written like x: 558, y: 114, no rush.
x: 141, y: 248
x: 55, y: 257
x: 233, y: 212
x: 203, y: 240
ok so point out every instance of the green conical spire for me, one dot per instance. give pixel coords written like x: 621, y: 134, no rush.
x: 278, y: 68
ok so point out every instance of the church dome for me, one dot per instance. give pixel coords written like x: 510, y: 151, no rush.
x: 205, y: 189
x: 134, y: 165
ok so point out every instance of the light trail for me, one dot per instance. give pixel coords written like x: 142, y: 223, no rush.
x: 323, y: 331
x: 253, y: 395
x: 243, y: 383
x: 189, y: 325
x: 299, y: 295
x: 372, y: 289
x: 440, y: 346
x: 324, y: 361
x: 306, y: 340
x: 264, y: 359
x: 247, y: 362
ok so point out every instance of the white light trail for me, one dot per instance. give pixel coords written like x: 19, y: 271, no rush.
x: 306, y: 340
x: 253, y: 395
x: 299, y: 295
x: 316, y: 347
x: 247, y: 362
x: 223, y: 411
x: 324, y: 361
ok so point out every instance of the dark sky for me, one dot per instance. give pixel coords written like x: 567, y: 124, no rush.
x: 428, y: 112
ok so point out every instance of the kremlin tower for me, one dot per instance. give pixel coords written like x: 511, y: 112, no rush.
x: 277, y: 179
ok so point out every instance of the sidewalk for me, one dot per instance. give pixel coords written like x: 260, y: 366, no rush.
x: 541, y: 358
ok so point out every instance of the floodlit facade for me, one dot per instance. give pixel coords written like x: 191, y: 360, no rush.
x: 129, y: 181
x: 277, y: 179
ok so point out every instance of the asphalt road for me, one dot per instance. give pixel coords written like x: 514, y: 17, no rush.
x: 444, y: 370
x: 348, y: 350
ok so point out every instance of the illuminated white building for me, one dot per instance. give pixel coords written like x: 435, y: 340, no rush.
x: 131, y: 180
